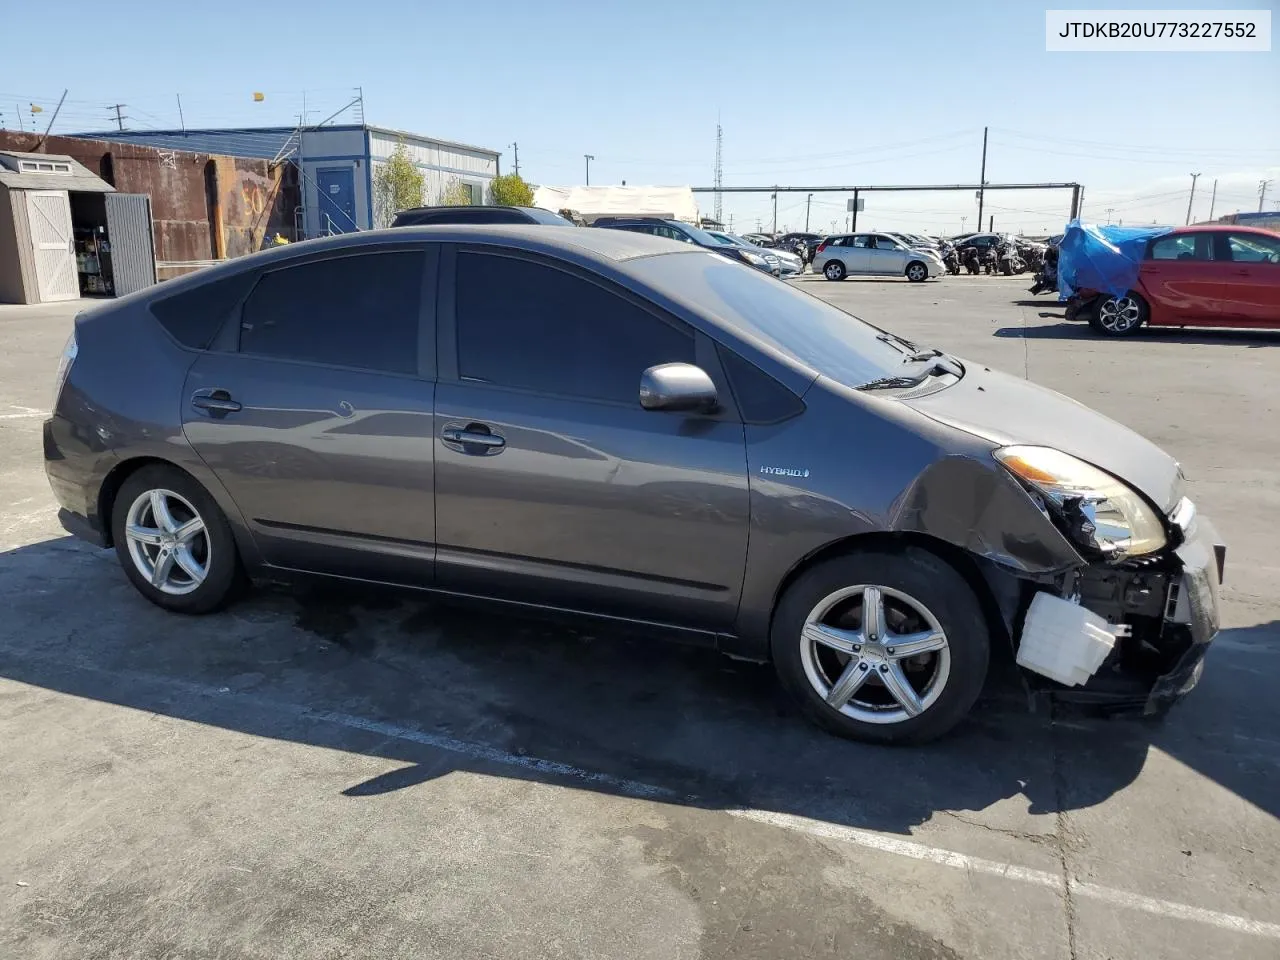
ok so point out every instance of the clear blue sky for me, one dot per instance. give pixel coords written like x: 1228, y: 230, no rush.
x: 890, y: 92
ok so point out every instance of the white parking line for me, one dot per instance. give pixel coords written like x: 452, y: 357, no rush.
x: 867, y: 839
x: 25, y: 413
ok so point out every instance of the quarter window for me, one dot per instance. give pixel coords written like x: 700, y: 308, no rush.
x: 533, y: 327
x: 360, y: 311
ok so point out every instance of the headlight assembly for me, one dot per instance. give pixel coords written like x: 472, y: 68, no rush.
x: 1095, y: 509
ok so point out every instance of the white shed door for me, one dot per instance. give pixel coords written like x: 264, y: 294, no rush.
x: 49, y: 213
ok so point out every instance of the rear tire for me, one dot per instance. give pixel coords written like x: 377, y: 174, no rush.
x: 1119, y: 316
x: 917, y: 272
x: 834, y: 270
x: 917, y: 594
x: 174, y: 542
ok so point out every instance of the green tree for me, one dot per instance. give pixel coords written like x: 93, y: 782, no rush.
x: 456, y: 194
x: 511, y: 190
x: 397, y: 185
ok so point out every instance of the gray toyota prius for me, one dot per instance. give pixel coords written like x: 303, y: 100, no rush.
x: 614, y: 425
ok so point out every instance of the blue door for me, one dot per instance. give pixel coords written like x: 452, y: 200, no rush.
x: 337, y: 189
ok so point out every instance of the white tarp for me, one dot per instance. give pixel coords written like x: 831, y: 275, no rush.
x: 674, y: 202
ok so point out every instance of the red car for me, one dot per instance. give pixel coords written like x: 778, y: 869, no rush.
x: 1207, y: 276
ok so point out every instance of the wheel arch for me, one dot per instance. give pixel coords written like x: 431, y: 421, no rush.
x: 122, y: 471
x: 997, y: 614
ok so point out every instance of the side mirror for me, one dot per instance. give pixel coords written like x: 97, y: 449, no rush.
x: 676, y: 387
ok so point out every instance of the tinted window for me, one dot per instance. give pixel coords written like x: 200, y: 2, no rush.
x: 1251, y: 248
x: 538, y: 215
x: 359, y: 311
x: 194, y: 317
x: 527, y: 325
x: 761, y: 399
x: 1180, y: 246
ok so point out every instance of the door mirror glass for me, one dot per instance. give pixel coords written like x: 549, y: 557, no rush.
x: 677, y: 386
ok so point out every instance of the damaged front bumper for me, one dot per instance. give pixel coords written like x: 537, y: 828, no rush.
x: 1144, y: 626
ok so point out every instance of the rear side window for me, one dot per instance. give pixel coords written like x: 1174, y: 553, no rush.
x: 194, y: 317
x: 533, y: 327
x: 1180, y: 246
x: 1252, y: 248
x: 360, y: 311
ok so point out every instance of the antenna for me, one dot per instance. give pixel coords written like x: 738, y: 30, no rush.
x: 718, y: 175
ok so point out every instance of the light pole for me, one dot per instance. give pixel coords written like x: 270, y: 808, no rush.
x: 807, y: 200
x: 589, y: 158
x: 962, y: 220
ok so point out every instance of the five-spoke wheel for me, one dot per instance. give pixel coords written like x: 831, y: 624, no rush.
x: 882, y: 645
x: 173, y: 541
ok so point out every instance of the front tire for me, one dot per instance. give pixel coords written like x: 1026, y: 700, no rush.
x: 174, y: 543
x: 917, y: 272
x: 1119, y: 316
x: 834, y: 270
x: 882, y: 646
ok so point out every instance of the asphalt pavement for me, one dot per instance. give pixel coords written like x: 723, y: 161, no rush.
x: 333, y: 773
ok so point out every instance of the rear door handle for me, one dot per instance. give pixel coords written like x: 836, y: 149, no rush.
x: 215, y: 402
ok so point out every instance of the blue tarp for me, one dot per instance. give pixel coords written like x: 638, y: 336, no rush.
x: 1093, y: 257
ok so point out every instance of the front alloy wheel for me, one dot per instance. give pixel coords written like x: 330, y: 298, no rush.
x: 885, y: 645
x: 917, y: 272
x: 875, y: 654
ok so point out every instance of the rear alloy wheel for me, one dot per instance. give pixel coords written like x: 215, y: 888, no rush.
x: 173, y: 542
x: 1119, y: 316
x: 885, y: 647
x: 834, y: 270
x: 917, y: 272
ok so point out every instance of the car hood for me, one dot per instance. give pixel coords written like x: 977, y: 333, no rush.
x: 1005, y: 410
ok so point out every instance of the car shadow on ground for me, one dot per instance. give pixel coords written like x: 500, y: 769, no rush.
x: 1080, y: 330
x: 444, y: 688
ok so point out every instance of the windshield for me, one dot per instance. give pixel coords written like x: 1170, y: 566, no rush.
x: 808, y: 330
x: 728, y: 241
x: 700, y: 236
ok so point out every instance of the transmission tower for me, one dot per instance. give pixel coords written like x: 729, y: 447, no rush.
x: 719, y: 173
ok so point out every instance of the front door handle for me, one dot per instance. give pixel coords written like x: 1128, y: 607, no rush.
x: 476, y: 436
x: 217, y: 403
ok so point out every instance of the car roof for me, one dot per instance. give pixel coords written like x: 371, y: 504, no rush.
x: 604, y: 247
x: 1223, y: 228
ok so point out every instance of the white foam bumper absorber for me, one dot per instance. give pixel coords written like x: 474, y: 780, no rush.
x: 1063, y: 641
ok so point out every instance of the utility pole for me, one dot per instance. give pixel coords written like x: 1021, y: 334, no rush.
x: 775, y: 211
x: 1213, y: 197
x: 807, y: 200
x: 1110, y: 211
x: 1192, y: 198
x: 718, y: 174
x: 56, y: 111
x: 516, y: 148
x: 589, y: 159
x: 1262, y: 191
x: 982, y: 177
x: 117, y: 107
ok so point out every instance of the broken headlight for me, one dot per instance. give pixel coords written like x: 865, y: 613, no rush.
x: 1095, y: 509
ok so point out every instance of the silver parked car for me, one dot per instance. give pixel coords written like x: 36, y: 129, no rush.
x: 874, y: 254
x: 603, y: 423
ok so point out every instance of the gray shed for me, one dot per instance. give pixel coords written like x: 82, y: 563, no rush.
x: 66, y: 233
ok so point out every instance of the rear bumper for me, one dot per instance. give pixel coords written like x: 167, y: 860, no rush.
x: 81, y: 527
x: 76, y: 464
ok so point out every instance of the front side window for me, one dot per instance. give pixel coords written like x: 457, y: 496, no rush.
x: 531, y: 326
x: 359, y: 311
x: 1251, y: 248
x: 1180, y: 246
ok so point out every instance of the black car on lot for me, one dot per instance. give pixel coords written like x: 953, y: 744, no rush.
x: 432, y: 216
x: 687, y: 233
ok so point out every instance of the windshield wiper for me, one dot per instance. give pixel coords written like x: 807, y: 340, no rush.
x: 940, y: 364
x: 894, y: 383
x: 896, y: 342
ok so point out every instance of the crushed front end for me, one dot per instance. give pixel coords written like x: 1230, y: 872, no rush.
x: 1154, y: 617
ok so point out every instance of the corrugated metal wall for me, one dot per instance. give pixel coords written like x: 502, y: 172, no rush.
x: 204, y: 207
